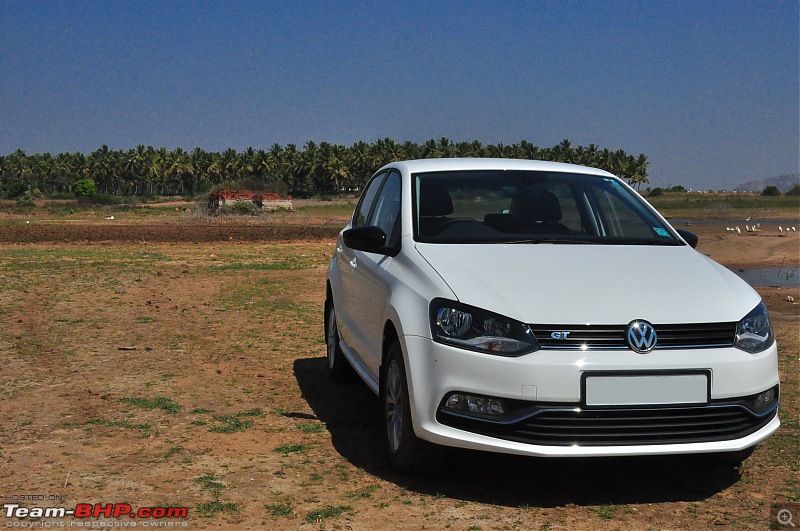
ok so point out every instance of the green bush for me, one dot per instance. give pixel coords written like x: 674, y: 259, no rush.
x: 62, y: 195
x: 795, y: 190
x: 241, y: 208
x: 771, y: 191
x: 25, y: 201
x: 99, y: 199
x: 84, y: 188
x: 655, y: 192
x: 13, y: 189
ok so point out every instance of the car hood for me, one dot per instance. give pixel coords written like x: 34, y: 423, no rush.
x: 592, y: 284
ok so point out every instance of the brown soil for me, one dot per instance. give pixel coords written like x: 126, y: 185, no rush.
x: 739, y: 251
x: 752, y: 250
x: 162, y: 232
x: 228, y: 326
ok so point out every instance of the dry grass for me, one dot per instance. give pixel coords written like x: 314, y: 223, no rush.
x: 190, y: 374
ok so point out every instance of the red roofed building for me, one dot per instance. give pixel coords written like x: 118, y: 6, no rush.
x: 264, y: 200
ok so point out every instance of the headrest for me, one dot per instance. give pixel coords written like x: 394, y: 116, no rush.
x: 543, y: 207
x: 434, y: 200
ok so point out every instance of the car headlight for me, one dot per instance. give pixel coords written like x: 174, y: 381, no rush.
x: 471, y: 328
x: 754, y: 332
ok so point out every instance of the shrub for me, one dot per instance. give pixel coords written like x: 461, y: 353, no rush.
x: 241, y: 208
x: 84, y: 188
x: 771, y: 191
x: 99, y: 199
x: 795, y: 190
x: 655, y: 192
x: 14, y: 189
x: 62, y: 195
x: 25, y: 201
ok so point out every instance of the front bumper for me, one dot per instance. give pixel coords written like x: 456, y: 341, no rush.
x: 548, y: 384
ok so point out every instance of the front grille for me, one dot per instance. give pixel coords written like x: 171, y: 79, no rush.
x: 569, y: 425
x: 612, y: 337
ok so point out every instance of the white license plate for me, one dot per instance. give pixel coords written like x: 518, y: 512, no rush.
x: 646, y: 390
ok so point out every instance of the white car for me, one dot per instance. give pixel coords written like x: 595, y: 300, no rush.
x: 542, y: 309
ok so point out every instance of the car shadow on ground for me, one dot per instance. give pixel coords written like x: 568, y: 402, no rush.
x: 351, y: 414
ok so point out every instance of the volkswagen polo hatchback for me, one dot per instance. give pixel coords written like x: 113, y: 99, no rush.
x: 542, y: 309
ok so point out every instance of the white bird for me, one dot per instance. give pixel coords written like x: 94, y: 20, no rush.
x: 110, y: 217
x: 738, y: 230
x: 731, y: 229
x: 748, y: 217
x: 794, y: 229
x: 780, y: 229
x: 747, y: 228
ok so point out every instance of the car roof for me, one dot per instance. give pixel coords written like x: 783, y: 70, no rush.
x: 451, y: 164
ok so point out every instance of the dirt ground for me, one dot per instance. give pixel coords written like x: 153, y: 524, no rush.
x: 182, y: 365
x: 195, y: 232
x: 735, y: 251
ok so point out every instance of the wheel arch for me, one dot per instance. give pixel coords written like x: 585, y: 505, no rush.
x: 328, y: 303
x: 389, y: 336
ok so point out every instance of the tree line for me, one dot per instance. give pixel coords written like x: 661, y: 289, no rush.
x: 315, y: 168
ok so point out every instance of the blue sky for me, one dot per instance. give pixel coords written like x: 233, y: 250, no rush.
x: 707, y: 89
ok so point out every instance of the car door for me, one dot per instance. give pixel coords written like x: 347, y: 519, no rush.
x: 374, y: 274
x: 371, y: 280
x: 347, y: 305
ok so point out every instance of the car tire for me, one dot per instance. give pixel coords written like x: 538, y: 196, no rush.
x: 339, y: 369
x: 406, y: 452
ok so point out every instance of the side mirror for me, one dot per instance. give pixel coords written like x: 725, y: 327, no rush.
x: 370, y: 239
x: 690, y: 237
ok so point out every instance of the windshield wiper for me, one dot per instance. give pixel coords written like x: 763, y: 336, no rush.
x: 646, y: 241
x: 601, y: 241
x: 550, y: 240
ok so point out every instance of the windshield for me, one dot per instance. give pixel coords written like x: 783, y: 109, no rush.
x: 498, y: 206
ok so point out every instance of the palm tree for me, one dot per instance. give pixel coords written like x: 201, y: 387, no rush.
x: 446, y: 147
x: 563, y: 151
x: 640, y: 168
x: 315, y: 168
x: 100, y: 164
x: 360, y: 162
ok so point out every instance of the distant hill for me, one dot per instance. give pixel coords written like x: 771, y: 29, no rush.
x: 783, y: 182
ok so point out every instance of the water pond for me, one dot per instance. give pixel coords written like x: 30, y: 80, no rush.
x: 779, y: 277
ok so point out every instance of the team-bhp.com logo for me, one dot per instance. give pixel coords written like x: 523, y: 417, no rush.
x: 94, y: 510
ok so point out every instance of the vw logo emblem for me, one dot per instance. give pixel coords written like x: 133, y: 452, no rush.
x: 641, y: 336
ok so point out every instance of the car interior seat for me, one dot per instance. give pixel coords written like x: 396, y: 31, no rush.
x: 539, y: 214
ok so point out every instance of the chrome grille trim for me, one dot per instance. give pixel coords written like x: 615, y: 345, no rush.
x: 612, y: 337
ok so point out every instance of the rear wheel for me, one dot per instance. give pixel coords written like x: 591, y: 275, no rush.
x: 406, y: 452
x: 339, y: 369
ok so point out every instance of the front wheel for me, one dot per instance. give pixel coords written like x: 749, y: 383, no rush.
x: 406, y: 452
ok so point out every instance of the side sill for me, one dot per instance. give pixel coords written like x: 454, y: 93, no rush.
x: 360, y: 370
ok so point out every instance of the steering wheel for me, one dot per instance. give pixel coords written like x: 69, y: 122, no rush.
x: 454, y: 221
